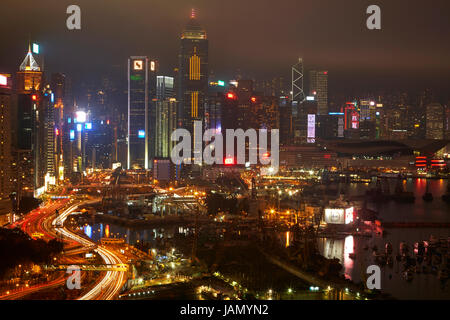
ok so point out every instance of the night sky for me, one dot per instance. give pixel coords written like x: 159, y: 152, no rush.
x: 261, y: 38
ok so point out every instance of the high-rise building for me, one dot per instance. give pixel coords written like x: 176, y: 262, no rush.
x: 60, y: 88
x: 286, y: 120
x: 297, y: 82
x: 213, y: 107
x: 29, y: 147
x: 305, y: 121
x: 367, y: 119
x: 139, y: 101
x: 165, y: 118
x: 5, y: 149
x: 435, y: 121
x: 351, y: 120
x: 51, y: 133
x: 192, y: 75
x: 318, y: 87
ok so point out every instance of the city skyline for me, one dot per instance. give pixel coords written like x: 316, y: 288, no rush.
x: 206, y: 150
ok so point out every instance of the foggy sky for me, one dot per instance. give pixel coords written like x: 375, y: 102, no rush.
x: 261, y: 38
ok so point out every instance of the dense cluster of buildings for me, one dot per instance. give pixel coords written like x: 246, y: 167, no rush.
x: 47, y: 136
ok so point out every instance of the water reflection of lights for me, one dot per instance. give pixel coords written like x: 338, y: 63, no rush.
x: 340, y: 249
x: 288, y: 240
x: 349, y: 245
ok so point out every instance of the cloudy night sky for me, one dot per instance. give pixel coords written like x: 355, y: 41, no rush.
x: 260, y: 38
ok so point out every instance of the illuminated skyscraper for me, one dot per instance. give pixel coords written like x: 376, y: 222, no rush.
x: 141, y: 71
x: 30, y: 127
x: 51, y: 132
x: 297, y: 93
x: 193, y: 74
x: 165, y: 119
x: 5, y: 149
x: 318, y: 87
x: 435, y: 121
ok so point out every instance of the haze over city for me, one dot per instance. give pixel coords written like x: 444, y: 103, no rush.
x: 224, y: 150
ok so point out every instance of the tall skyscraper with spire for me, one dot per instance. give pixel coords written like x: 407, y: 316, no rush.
x: 193, y: 74
x: 29, y: 148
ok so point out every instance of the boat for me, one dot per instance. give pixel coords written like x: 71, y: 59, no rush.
x: 428, y: 196
x: 446, y: 196
x: 388, y: 248
x: 408, y: 275
x: 404, y: 249
x: 390, y: 261
x: 401, y: 195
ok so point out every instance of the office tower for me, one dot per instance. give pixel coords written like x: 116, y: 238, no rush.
x: 266, y: 110
x: 304, y: 121
x: 77, y: 127
x: 286, y: 120
x: 51, y: 133
x: 435, y: 121
x: 98, y: 128
x: 447, y: 122
x: 297, y: 93
x: 331, y: 126
x: 5, y: 150
x: 351, y: 120
x: 193, y: 75
x: 59, y: 90
x: 29, y: 146
x: 318, y: 86
x: 138, y: 112
x: 274, y: 87
x: 397, y: 122
x: 367, y: 118
x: 165, y: 118
x: 213, y: 107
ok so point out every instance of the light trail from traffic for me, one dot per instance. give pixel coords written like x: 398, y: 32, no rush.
x: 112, y: 282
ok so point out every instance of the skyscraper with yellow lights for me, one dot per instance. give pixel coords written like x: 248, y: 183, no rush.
x: 193, y: 74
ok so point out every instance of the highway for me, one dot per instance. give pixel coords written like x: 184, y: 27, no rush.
x: 17, y: 294
x: 109, y: 286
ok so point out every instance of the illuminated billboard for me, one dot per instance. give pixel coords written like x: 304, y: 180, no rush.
x: 72, y: 134
x: 349, y: 215
x: 3, y: 80
x: 339, y: 215
x: 228, y: 161
x: 141, y: 134
x: 138, y: 65
x: 311, y: 138
x: 334, y: 216
x: 80, y: 116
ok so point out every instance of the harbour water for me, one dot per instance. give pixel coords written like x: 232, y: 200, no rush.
x: 422, y: 286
